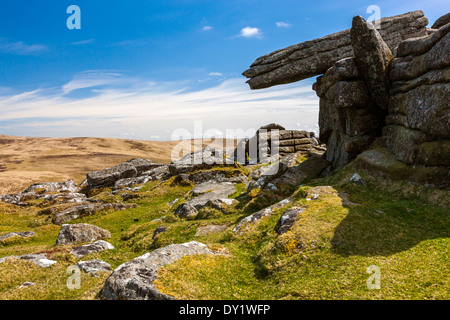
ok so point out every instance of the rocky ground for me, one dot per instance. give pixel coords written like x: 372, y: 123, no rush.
x: 142, y: 230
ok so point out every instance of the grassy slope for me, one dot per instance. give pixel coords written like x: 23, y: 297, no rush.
x: 402, y: 228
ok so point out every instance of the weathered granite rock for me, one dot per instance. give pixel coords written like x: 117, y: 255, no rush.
x: 356, y: 178
x: 129, y: 169
x: 209, y: 191
x: 308, y: 169
x: 66, y: 186
x: 217, y: 175
x: 254, y: 218
x: 134, y: 280
x: 186, y: 210
x: 349, y: 120
x: 203, y: 159
x: 79, y: 233
x: 22, y: 234
x: 97, y: 246
x: 270, y: 143
x: 223, y: 205
x: 381, y: 162
x: 68, y: 197
x: 418, y: 124
x: 287, y: 220
x: 372, y: 56
x: 94, y: 266
x: 38, y: 259
x: 443, y: 20
x: 204, y: 193
x: 83, y: 210
x: 314, y: 57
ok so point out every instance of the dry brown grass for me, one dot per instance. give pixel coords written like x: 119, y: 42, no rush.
x: 25, y: 160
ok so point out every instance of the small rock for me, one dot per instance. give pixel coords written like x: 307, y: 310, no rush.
x: 94, y: 266
x: 171, y: 203
x: 257, y: 216
x: 287, y: 219
x: 97, y: 246
x: 27, y: 284
x: 186, y: 210
x: 356, y: 178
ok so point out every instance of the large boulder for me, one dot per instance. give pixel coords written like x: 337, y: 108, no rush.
x: 202, y: 159
x: 372, y: 56
x: 315, y: 57
x: 134, y: 280
x: 79, y: 233
x: 204, y: 193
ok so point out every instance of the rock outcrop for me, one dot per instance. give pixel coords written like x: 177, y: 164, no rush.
x: 273, y: 142
x: 315, y: 57
x: 79, y: 233
x: 391, y: 82
x: 129, y: 169
x: 134, y: 280
x: 418, y: 124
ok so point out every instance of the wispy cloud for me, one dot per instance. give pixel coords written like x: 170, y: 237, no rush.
x: 91, y: 78
x: 207, y: 28
x: 21, y: 48
x: 249, y: 32
x: 83, y: 42
x: 282, y: 24
x: 150, y: 110
x: 215, y: 74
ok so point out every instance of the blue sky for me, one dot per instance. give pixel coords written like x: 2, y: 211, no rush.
x: 141, y: 69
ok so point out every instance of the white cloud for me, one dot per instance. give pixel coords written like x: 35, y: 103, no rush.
x: 207, y: 28
x: 91, y: 78
x: 249, y: 32
x: 154, y: 110
x: 282, y: 24
x: 83, y: 42
x: 215, y: 74
x: 21, y: 48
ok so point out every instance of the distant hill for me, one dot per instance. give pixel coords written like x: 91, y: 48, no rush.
x: 25, y: 160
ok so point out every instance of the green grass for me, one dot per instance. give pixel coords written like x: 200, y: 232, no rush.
x: 400, y: 227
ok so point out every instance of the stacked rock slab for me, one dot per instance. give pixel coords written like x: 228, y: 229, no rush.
x: 418, y: 124
x: 315, y: 57
x: 270, y: 141
x: 349, y: 120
